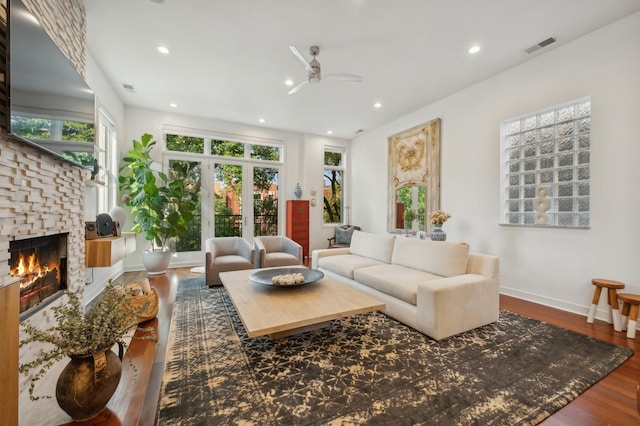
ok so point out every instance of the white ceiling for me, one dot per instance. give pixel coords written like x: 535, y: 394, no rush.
x: 229, y: 58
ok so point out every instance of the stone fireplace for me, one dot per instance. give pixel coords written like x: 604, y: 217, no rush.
x: 40, y: 196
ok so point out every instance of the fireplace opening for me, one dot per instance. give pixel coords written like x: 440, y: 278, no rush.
x: 41, y: 264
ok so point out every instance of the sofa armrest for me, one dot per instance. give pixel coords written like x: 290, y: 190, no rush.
x: 320, y: 253
x: 260, y: 252
x: 483, y: 264
x: 448, y: 306
x: 246, y: 250
x: 293, y: 248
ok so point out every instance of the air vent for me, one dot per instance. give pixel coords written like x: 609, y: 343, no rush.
x: 540, y: 45
x: 359, y: 131
x: 128, y: 87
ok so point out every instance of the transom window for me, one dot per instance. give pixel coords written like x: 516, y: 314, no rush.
x: 545, y: 160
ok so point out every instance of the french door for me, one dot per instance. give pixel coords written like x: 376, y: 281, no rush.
x: 243, y: 199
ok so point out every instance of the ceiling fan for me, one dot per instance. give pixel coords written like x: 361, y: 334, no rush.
x: 313, y: 68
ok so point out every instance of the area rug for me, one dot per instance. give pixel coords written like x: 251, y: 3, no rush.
x: 369, y: 369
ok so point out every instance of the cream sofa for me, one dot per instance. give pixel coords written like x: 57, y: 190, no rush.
x: 438, y: 288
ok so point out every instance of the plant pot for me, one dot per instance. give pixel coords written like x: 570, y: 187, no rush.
x: 88, y: 382
x: 156, y: 261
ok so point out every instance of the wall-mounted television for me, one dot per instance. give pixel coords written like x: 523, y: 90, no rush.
x: 50, y: 104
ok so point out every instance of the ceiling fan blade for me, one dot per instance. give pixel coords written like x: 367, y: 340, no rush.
x: 301, y: 58
x: 297, y: 88
x: 343, y: 77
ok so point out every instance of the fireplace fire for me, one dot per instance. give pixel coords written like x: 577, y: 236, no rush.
x: 41, y: 265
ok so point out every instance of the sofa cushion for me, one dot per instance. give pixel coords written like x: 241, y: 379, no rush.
x: 374, y: 246
x: 280, y: 259
x: 345, y: 264
x: 343, y: 235
x: 442, y: 258
x: 231, y: 261
x: 394, y: 280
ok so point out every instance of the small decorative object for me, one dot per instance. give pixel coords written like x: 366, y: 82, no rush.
x: 92, y: 376
x: 313, y: 202
x: 438, y: 234
x: 541, y: 204
x: 422, y: 235
x: 438, y: 218
x: 119, y: 216
x: 95, y: 170
x: 88, y: 382
x: 409, y: 216
x: 298, y: 191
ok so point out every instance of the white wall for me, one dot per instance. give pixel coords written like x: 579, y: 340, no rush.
x: 303, y: 163
x: 549, y: 266
x: 108, y: 100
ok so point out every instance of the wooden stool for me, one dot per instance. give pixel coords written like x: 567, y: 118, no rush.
x: 630, y: 303
x: 612, y: 301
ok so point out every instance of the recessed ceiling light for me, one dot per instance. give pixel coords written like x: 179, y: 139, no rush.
x: 329, y: 132
x: 173, y: 105
x: 474, y: 49
x: 261, y: 120
x: 163, y: 50
x: 289, y: 82
x: 377, y: 105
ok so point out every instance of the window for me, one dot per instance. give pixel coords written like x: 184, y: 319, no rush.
x: 108, y: 162
x: 333, y: 194
x: 545, y: 160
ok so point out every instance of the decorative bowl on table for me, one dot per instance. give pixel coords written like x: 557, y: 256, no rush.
x: 286, y: 277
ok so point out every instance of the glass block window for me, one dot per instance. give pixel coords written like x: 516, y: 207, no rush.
x: 545, y: 166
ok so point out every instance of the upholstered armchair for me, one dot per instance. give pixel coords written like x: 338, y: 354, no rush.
x: 342, y: 237
x: 224, y: 254
x: 277, y: 251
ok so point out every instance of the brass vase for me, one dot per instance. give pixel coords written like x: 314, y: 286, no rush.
x: 88, y: 382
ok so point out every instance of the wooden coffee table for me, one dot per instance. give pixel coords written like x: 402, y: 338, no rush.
x: 282, y: 311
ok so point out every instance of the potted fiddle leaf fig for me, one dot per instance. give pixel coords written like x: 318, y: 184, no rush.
x: 162, y: 208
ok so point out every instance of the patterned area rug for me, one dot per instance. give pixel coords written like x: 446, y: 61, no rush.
x: 369, y: 369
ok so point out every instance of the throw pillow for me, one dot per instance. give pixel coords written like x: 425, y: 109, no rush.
x: 343, y: 235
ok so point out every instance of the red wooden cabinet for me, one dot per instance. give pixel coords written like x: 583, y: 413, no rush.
x: 298, y: 223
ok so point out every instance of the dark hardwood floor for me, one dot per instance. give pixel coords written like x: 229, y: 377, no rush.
x: 612, y: 401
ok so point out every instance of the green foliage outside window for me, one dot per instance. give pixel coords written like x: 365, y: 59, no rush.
x: 405, y: 196
x: 185, y: 143
x: 227, y: 148
x: 332, y: 199
x: 191, y: 174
